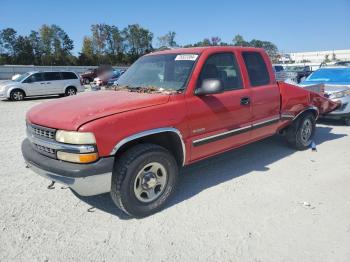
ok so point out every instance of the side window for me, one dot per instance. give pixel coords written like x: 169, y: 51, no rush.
x: 51, y: 76
x: 224, y: 67
x: 68, y: 75
x: 37, y: 77
x: 256, y: 67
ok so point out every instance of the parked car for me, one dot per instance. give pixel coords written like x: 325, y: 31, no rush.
x: 103, y: 79
x: 336, y: 83
x: 298, y: 73
x: 280, y: 73
x: 14, y: 77
x: 342, y: 63
x: 91, y: 74
x: 115, y: 77
x: 172, y: 108
x: 41, y: 83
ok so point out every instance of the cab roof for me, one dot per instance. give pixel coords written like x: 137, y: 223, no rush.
x: 200, y: 50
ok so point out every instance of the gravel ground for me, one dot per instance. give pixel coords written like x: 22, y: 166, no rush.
x: 264, y: 202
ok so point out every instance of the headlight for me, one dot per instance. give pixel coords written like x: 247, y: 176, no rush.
x: 77, y: 158
x: 340, y: 94
x: 76, y: 138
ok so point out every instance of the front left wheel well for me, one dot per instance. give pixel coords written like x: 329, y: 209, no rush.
x: 169, y: 140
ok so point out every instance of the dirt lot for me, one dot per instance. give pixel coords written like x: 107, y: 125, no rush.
x: 264, y: 202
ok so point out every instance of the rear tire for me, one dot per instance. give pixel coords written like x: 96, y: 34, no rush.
x: 86, y: 81
x: 301, y: 133
x: 347, y: 121
x: 144, y: 178
x: 17, y: 95
x: 71, y: 91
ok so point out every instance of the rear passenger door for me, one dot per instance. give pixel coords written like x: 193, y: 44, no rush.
x: 53, y: 83
x: 265, y: 94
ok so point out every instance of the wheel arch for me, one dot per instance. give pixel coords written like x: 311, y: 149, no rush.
x: 167, y: 137
x: 68, y: 86
x: 14, y: 89
x: 311, y: 109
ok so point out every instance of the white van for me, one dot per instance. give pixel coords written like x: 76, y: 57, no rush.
x: 40, y: 84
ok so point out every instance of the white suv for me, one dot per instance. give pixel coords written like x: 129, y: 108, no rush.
x: 41, y: 83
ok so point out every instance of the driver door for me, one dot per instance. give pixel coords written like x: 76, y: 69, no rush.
x: 222, y: 121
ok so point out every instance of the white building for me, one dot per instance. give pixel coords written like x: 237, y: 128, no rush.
x: 317, y: 56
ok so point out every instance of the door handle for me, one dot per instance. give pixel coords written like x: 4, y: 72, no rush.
x: 42, y: 83
x: 245, y: 101
x: 48, y: 83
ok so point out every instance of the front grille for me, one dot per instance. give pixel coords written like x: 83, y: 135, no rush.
x: 45, y: 150
x: 40, y: 131
x: 38, y: 135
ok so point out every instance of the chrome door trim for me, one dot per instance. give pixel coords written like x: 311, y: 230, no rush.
x: 236, y: 131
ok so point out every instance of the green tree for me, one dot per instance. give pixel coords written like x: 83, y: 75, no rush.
x: 24, y: 51
x: 8, y: 38
x: 87, y: 55
x: 167, y: 40
x: 138, y: 40
x: 326, y: 59
x: 238, y: 40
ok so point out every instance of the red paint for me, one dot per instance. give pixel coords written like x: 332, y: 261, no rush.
x: 114, y: 115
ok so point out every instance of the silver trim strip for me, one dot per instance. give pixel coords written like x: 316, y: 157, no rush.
x: 266, y: 121
x: 151, y: 132
x: 60, y: 146
x: 222, y: 134
x: 236, y: 130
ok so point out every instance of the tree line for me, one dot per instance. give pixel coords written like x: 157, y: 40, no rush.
x: 106, y: 44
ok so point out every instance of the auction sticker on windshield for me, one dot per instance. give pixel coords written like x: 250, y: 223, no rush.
x: 188, y: 57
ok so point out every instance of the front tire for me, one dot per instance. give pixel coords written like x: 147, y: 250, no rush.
x: 17, y: 95
x: 144, y: 178
x: 301, y: 133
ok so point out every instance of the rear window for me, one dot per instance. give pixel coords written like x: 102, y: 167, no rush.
x: 256, y: 67
x: 69, y: 75
x: 50, y: 76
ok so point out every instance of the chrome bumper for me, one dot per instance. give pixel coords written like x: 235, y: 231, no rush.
x: 84, y: 186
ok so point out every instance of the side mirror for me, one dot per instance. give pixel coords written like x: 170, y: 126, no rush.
x: 210, y: 86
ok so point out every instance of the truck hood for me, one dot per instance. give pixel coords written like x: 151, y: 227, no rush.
x: 71, y: 112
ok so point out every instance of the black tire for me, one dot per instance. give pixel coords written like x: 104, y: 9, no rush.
x: 301, y: 133
x: 86, y: 81
x: 17, y: 95
x: 127, y: 170
x: 347, y: 121
x: 70, y: 91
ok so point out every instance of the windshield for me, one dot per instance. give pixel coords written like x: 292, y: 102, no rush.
x: 330, y: 75
x: 169, y: 72
x: 21, y: 77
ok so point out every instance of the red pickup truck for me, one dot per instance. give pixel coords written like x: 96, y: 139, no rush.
x: 170, y: 109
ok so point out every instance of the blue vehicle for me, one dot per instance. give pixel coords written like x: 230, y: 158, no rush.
x: 115, y: 76
x: 336, y: 81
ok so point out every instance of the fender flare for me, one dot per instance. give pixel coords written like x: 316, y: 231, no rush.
x: 148, y: 133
